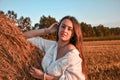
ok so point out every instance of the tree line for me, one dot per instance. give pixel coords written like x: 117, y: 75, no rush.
x: 24, y: 23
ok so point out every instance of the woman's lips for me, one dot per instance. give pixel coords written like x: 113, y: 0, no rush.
x: 63, y: 34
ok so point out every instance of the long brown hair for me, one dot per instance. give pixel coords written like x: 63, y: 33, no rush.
x: 77, y: 39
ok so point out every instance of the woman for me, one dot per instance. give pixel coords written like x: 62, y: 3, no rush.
x: 63, y: 58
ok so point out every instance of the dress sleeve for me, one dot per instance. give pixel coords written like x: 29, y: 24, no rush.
x: 42, y: 44
x: 74, y: 69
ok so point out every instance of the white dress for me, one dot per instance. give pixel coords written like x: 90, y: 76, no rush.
x: 67, y: 67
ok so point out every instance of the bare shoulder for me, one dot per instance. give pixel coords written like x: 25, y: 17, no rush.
x: 71, y: 47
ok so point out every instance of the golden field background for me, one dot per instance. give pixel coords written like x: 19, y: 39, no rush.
x: 103, y: 59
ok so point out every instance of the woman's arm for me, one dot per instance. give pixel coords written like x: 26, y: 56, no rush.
x: 34, y: 33
x: 49, y: 77
x: 37, y: 73
x: 39, y: 32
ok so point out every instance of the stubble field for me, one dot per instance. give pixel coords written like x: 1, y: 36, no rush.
x: 102, y: 59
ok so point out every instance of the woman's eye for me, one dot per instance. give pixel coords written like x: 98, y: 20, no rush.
x: 70, y: 29
x: 63, y: 26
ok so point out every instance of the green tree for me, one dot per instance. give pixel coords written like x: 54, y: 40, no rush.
x: 12, y: 15
x: 1, y: 12
x: 100, y: 30
x: 46, y: 21
x: 107, y: 31
x: 115, y: 31
x: 36, y: 26
x: 24, y: 23
x: 87, y: 30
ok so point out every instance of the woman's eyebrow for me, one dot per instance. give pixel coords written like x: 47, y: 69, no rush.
x: 67, y: 26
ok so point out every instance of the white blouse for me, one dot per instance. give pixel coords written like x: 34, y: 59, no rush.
x: 68, y: 67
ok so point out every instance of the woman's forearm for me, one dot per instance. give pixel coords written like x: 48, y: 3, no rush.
x: 39, y: 32
x: 49, y: 77
x: 34, y: 33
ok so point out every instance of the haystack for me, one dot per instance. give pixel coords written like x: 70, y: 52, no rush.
x: 16, y: 54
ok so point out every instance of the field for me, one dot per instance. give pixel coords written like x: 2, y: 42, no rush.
x: 103, y: 59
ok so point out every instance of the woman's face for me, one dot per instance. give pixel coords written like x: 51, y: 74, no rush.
x: 65, y: 30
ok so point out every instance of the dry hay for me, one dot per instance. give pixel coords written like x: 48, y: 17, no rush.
x: 16, y: 54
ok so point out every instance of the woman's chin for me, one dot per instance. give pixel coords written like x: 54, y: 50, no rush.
x: 64, y: 39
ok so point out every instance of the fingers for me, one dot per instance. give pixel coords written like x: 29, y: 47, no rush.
x: 32, y: 70
x: 53, y: 28
x: 36, y: 73
x: 56, y: 24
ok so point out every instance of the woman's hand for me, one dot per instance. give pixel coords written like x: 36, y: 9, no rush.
x: 53, y: 28
x: 36, y: 73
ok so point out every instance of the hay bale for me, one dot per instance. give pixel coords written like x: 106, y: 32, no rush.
x: 16, y: 54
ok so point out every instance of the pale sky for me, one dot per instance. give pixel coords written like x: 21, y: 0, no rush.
x: 94, y: 12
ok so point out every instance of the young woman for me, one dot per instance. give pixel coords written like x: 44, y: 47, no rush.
x: 63, y: 58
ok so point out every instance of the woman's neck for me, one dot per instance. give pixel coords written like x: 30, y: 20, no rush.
x: 62, y: 44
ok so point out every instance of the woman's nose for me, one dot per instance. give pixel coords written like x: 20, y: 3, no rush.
x: 65, y: 29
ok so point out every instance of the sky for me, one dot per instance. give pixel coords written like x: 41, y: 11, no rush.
x: 94, y: 12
